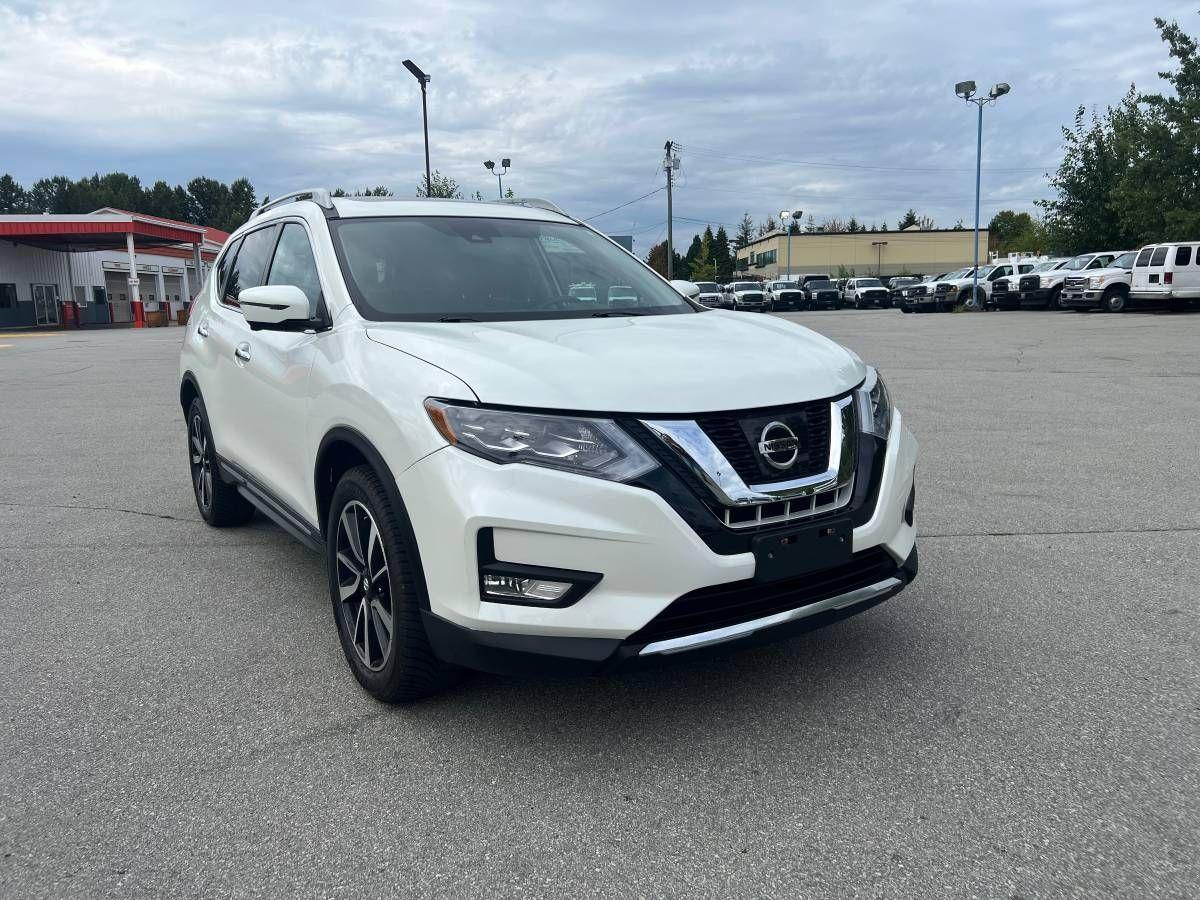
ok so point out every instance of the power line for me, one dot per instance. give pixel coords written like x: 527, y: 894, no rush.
x: 708, y: 151
x: 626, y: 203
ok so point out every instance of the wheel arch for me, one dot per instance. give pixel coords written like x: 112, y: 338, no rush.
x: 341, y: 449
x: 189, y: 390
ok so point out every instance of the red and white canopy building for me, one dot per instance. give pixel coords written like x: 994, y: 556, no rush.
x: 109, y: 267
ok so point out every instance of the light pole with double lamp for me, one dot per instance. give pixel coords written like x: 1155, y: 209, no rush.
x: 424, y: 81
x: 788, y: 218
x: 966, y: 90
x: 491, y: 167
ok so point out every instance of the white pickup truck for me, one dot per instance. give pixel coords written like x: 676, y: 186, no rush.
x: 1106, y: 289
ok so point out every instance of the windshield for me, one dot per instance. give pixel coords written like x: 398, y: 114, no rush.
x: 1047, y: 265
x: 868, y: 282
x: 819, y: 285
x: 784, y: 286
x: 432, y: 268
x: 1124, y: 261
x: 744, y: 286
x: 1079, y: 262
x: 903, y: 282
x: 708, y: 287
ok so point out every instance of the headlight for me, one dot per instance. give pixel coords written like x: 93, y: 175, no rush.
x: 1095, y: 282
x: 595, y: 447
x: 875, y: 405
x: 1045, y: 280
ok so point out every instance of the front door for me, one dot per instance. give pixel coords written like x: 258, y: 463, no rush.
x: 45, y: 304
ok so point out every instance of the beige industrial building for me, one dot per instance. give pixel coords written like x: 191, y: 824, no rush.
x: 909, y: 252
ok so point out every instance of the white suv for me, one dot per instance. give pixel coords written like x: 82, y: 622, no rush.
x: 505, y: 476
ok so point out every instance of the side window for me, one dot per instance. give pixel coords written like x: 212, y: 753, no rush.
x: 1159, y: 257
x: 1183, y: 256
x: 294, y: 264
x: 250, y: 265
x: 226, y: 264
x: 1099, y: 262
x: 1144, y: 257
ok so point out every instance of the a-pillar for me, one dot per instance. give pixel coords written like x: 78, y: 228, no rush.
x: 135, y: 299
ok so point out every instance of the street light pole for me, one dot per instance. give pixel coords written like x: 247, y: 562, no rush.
x: 491, y: 167
x: 788, y: 217
x: 966, y: 90
x: 878, y: 245
x: 424, y: 81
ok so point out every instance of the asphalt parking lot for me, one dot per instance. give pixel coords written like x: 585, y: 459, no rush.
x: 1024, y: 721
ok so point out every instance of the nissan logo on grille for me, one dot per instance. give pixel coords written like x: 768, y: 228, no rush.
x: 778, y: 445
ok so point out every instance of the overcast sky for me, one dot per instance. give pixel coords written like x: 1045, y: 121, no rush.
x: 839, y: 109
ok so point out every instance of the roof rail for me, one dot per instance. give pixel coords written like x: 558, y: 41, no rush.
x: 319, y: 196
x: 536, y: 203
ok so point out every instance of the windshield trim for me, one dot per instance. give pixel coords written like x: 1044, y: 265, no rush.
x: 370, y: 314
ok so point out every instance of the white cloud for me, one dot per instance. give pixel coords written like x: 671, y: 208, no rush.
x: 581, y: 96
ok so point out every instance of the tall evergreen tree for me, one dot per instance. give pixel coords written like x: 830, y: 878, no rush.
x: 722, y: 256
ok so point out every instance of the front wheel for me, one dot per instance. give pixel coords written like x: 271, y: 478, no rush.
x: 1114, y: 301
x: 376, y: 589
x: 1055, y: 301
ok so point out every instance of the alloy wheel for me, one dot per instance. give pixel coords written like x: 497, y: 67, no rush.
x: 202, y: 469
x: 364, y: 587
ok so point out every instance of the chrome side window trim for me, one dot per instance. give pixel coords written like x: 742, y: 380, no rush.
x: 709, y: 464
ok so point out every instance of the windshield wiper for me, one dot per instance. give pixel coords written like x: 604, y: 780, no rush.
x: 609, y: 315
x: 457, y: 319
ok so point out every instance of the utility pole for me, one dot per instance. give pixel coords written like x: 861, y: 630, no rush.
x: 671, y: 163
x: 966, y: 90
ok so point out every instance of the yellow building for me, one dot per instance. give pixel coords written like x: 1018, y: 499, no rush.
x: 910, y: 252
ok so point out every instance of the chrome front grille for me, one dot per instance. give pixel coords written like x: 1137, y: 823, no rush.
x: 1075, y: 284
x: 789, y: 510
x: 741, y: 497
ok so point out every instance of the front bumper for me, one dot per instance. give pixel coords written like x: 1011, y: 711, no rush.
x: 1085, y: 298
x: 647, y: 555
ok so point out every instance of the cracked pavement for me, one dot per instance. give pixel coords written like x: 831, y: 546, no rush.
x: 1023, y: 721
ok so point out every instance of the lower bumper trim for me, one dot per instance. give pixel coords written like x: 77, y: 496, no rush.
x: 742, y: 629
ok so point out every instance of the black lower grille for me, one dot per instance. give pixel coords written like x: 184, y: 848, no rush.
x: 736, y: 435
x: 1029, y: 283
x: 742, y: 601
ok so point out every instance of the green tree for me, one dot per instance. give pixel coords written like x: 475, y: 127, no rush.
x: 722, y: 257
x: 703, y: 268
x: 745, y: 232
x: 1097, y: 154
x: 1157, y: 195
x: 693, y: 251
x: 908, y: 220
x: 12, y: 196
x: 439, y: 186
x: 852, y: 226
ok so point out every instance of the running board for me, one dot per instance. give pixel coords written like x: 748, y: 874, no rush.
x: 275, y: 510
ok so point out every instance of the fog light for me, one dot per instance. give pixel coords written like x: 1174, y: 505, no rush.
x: 532, y: 590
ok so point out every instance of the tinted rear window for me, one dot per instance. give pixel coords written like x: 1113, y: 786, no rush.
x: 1183, y: 256
x: 1159, y: 257
x: 1144, y: 257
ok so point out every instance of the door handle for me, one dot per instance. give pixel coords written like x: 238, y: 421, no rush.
x: 242, y: 351
x: 202, y: 328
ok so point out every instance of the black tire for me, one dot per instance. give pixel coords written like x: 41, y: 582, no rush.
x: 220, y: 504
x: 407, y: 668
x: 905, y: 308
x: 1055, y: 300
x: 1114, y: 300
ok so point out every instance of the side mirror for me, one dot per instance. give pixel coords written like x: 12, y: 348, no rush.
x: 687, y: 288
x: 277, y: 306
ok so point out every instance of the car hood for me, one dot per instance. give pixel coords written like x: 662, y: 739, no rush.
x: 704, y: 362
x: 1102, y: 273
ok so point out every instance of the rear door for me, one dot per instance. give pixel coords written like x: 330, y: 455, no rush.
x: 1186, y: 270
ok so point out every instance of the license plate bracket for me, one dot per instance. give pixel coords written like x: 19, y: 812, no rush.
x: 808, y: 548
